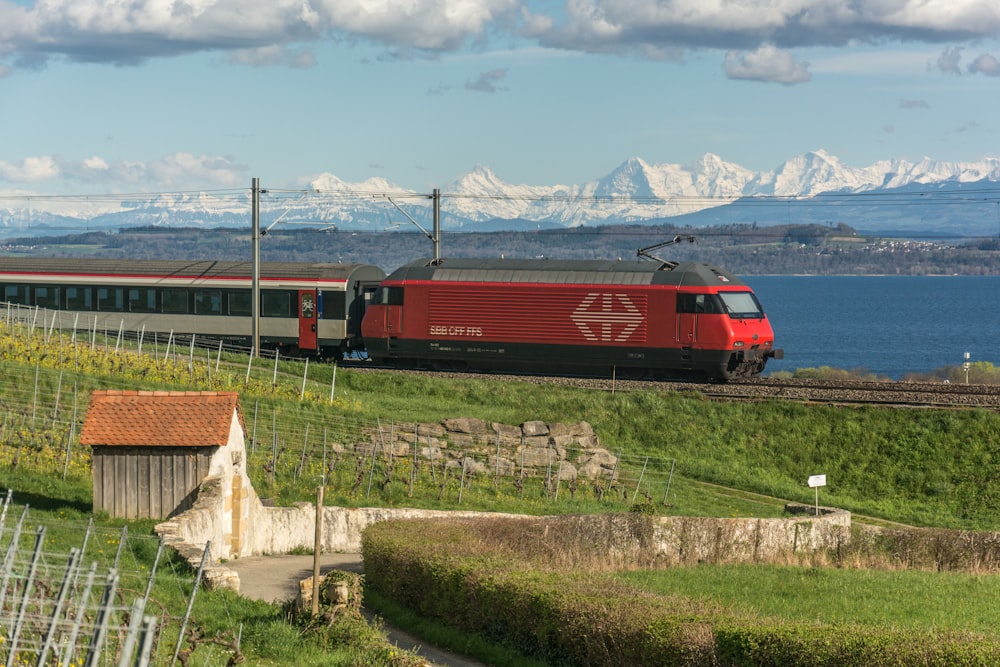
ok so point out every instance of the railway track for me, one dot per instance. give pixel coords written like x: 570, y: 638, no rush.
x: 838, y: 392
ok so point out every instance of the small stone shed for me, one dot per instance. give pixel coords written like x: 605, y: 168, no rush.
x: 151, y: 450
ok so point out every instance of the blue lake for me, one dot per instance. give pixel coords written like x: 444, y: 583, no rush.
x: 890, y: 325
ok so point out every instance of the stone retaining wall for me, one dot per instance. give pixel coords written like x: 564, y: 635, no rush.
x: 278, y: 530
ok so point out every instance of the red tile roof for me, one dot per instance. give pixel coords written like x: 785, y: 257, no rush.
x: 160, y: 418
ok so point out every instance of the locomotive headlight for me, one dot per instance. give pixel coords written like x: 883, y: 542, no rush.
x: 738, y: 343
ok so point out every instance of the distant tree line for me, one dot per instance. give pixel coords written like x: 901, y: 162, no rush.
x: 741, y: 249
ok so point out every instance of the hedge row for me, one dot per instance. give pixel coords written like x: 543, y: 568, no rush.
x: 447, y: 571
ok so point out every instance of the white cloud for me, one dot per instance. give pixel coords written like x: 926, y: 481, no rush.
x: 768, y: 64
x: 30, y: 170
x: 127, y: 33
x: 273, y: 55
x: 985, y: 64
x: 627, y: 25
x: 282, y: 32
x: 180, y: 171
x: 948, y: 61
x: 487, y: 82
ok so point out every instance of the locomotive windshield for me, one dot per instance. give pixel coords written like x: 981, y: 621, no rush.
x: 742, y: 305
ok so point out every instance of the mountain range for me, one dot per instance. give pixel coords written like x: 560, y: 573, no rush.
x: 924, y: 198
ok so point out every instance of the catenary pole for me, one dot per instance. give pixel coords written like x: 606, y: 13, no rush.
x: 255, y: 278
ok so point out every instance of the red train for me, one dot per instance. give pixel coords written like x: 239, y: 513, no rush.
x: 632, y: 318
x: 639, y: 318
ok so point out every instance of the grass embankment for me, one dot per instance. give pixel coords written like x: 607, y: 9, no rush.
x: 930, y: 467
x: 545, y: 590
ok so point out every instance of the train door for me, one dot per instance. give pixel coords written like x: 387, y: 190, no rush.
x: 392, y: 298
x: 688, y: 307
x: 307, y: 320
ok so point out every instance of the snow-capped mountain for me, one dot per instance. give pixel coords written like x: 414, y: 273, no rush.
x: 634, y: 192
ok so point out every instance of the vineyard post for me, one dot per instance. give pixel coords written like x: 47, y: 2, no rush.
x: 121, y: 545
x: 323, y: 475
x: 305, y: 374
x: 670, y: 478
x: 413, y: 468
x: 371, y: 473
x: 333, y: 382
x: 11, y: 555
x: 496, y: 474
x: 461, y: 482
x: 187, y: 614
x: 132, y: 634
x: 80, y: 612
x: 93, y: 335
x: 166, y: 352
x: 274, y: 376
x: 302, y: 461
x: 142, y: 333
x: 148, y: 635
x: 76, y: 321
x: 614, y: 470
x: 249, y: 366
x: 253, y: 435
x: 34, y: 399
x: 101, y: 624
x: 15, y: 634
x: 74, y: 556
x: 274, y: 445
x: 191, y: 356
x: 639, y: 481
x: 392, y: 440
x: 118, y: 341
x: 430, y: 450
x: 83, y: 547
x: 72, y: 433
x: 548, y: 468
x: 521, y: 490
x: 55, y: 411
x: 6, y: 506
x: 218, y: 357
x: 558, y: 481
x: 317, y: 550
x: 152, y: 572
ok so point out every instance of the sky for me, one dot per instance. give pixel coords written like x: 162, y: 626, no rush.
x: 146, y: 96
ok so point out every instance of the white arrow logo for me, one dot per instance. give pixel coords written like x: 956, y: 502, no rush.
x: 599, y: 315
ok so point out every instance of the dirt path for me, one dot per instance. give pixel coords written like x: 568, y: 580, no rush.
x: 276, y: 579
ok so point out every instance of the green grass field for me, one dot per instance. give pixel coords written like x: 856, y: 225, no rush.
x: 902, y: 598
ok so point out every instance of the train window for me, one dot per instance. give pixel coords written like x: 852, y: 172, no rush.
x: 15, y: 294
x: 111, y: 299
x: 141, y: 300
x: 174, y: 300
x: 741, y: 305
x: 208, y: 302
x: 389, y: 296
x: 240, y: 303
x: 78, y: 298
x: 699, y: 303
x: 334, y: 305
x: 46, y: 297
x: 274, y: 303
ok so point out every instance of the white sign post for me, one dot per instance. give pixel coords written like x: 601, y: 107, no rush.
x: 816, y: 481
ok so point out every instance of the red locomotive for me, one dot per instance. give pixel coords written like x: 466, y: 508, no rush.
x: 633, y: 318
